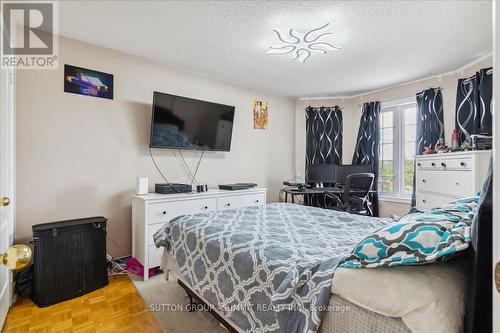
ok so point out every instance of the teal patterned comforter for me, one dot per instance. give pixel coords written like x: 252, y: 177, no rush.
x: 268, y: 268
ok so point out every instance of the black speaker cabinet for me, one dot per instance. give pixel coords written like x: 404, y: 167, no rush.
x: 69, y: 259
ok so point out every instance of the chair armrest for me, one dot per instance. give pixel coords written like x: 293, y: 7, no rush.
x: 335, y: 197
x: 357, y: 200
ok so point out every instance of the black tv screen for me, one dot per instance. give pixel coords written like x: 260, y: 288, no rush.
x: 186, y: 123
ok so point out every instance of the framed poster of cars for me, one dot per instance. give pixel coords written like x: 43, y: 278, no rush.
x: 88, y: 82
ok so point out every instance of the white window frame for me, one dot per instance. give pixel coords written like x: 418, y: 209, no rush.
x: 398, y: 145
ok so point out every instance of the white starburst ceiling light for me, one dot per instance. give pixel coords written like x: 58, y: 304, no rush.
x: 300, y: 44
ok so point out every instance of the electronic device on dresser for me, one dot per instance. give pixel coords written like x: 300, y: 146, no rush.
x: 201, y: 188
x: 170, y: 188
x: 237, y: 186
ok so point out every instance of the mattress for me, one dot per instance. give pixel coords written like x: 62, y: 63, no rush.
x: 345, y: 316
x: 427, y: 298
x: 351, y: 318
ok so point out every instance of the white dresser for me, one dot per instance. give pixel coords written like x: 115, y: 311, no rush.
x: 150, y: 212
x: 441, y: 178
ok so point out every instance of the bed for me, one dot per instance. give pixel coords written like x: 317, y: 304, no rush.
x: 273, y: 268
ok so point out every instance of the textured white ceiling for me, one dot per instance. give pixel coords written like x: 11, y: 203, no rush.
x: 384, y: 42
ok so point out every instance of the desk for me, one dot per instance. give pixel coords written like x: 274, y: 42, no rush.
x: 315, y: 190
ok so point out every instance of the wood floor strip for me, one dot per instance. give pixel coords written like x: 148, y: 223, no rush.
x: 116, y: 308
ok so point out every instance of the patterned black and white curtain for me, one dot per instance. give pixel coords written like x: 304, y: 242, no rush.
x: 368, y: 142
x: 474, y: 104
x: 323, y: 135
x: 430, y: 124
x: 323, y: 142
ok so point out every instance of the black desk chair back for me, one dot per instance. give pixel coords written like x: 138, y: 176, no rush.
x: 355, y: 198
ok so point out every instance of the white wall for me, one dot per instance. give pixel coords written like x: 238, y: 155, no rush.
x: 351, y: 114
x: 78, y: 155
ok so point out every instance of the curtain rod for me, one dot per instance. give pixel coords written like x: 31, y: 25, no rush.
x: 435, y: 89
x: 319, y: 107
x: 401, y: 101
x: 467, y: 80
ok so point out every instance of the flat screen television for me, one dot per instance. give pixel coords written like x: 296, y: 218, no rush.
x: 185, y: 123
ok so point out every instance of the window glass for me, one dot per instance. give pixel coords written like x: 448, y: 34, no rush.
x: 386, y: 169
x: 409, y: 132
x: 397, y: 149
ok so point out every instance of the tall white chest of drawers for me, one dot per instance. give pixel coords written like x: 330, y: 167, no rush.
x: 150, y: 212
x: 441, y: 178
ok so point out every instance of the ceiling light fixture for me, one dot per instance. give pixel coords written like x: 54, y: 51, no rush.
x: 300, y: 44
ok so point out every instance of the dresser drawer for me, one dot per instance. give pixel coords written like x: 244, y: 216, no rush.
x: 152, y: 229
x: 428, y: 200
x: 456, y: 163
x: 455, y: 183
x: 154, y: 256
x: 444, y: 163
x: 237, y: 201
x: 428, y: 163
x: 164, y: 212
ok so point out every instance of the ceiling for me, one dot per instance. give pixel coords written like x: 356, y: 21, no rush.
x: 383, y: 42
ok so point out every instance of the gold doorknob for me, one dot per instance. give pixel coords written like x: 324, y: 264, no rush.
x: 16, y: 257
x: 4, y: 201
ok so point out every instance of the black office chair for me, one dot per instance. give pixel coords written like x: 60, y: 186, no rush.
x: 355, y: 199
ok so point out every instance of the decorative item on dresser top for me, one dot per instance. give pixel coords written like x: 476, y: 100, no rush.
x: 150, y: 212
x: 441, y: 178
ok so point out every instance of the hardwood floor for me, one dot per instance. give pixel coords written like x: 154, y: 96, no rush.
x: 117, y: 307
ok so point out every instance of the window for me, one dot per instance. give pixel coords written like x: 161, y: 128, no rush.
x: 397, y: 147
